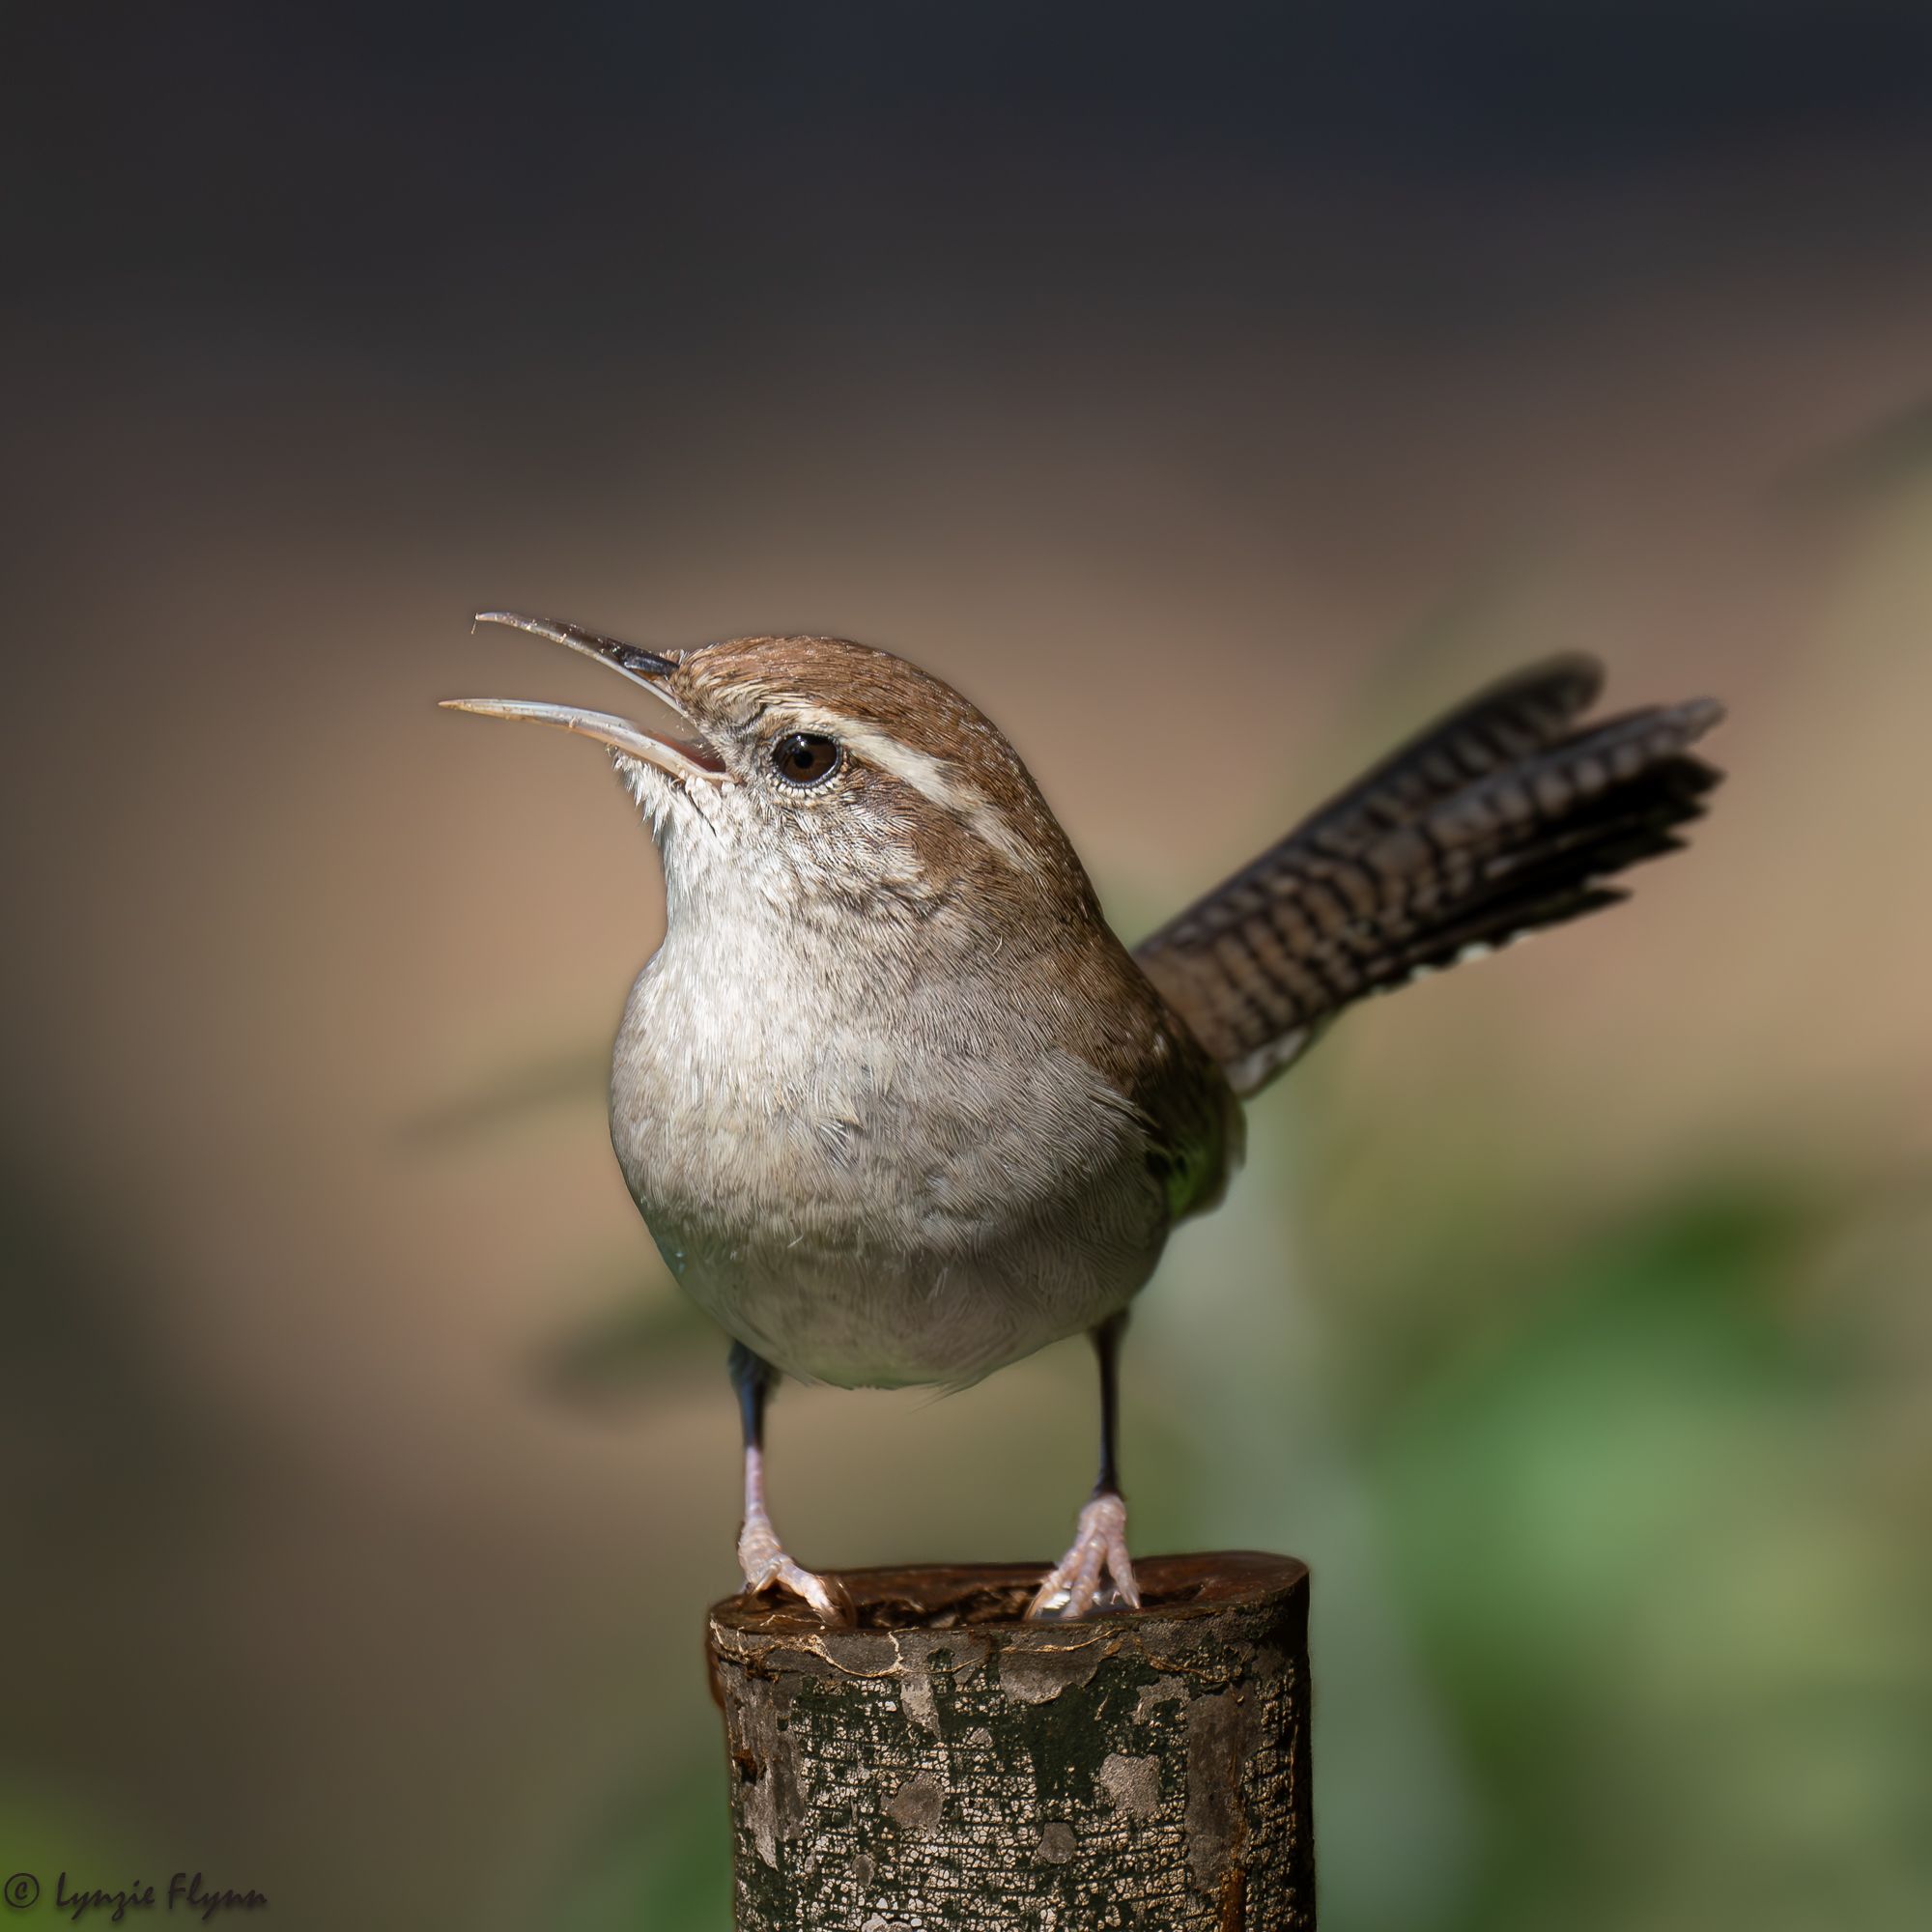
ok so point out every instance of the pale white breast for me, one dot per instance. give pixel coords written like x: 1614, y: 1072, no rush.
x: 874, y: 1184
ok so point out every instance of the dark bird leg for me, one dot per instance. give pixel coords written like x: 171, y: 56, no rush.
x: 760, y: 1555
x: 1097, y: 1573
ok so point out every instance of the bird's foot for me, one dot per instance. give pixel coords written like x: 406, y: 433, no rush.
x: 767, y: 1567
x: 1096, y: 1574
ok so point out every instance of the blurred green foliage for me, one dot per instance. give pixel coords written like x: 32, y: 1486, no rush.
x: 1679, y: 1641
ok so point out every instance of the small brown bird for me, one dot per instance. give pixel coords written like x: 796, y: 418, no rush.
x: 895, y: 1102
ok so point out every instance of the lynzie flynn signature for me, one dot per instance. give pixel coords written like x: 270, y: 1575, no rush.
x: 184, y: 1894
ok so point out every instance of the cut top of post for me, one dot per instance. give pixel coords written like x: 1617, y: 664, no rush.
x: 976, y: 1595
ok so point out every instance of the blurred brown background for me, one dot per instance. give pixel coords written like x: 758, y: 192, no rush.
x: 1209, y: 397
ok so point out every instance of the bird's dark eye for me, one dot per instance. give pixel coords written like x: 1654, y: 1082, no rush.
x: 804, y: 759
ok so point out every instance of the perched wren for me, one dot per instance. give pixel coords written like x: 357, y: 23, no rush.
x: 895, y: 1102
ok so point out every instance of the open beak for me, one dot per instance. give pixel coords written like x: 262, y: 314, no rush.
x: 681, y: 757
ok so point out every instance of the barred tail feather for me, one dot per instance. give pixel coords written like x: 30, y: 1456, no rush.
x: 1496, y: 821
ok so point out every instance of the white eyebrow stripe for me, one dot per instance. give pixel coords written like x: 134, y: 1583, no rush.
x: 931, y: 778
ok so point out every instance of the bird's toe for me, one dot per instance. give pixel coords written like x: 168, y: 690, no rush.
x: 1095, y: 1572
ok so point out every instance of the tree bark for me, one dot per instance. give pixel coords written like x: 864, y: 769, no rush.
x: 948, y: 1764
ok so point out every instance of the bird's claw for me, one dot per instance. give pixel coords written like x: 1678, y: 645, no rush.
x: 1096, y: 1574
x: 767, y: 1567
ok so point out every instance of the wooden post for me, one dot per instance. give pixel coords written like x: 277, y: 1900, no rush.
x: 947, y: 1765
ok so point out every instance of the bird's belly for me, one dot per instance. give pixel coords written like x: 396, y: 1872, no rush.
x: 881, y: 1231
x: 886, y: 1316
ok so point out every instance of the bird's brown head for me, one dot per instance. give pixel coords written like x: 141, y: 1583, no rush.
x: 809, y: 773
